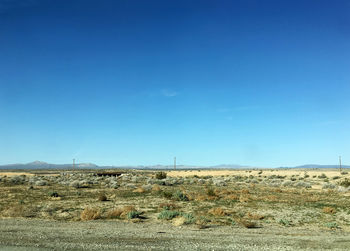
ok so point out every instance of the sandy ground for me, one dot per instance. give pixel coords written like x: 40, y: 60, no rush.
x: 283, y: 172
x: 24, y: 234
x: 15, y: 173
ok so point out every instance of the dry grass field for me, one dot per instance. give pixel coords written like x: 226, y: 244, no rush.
x: 202, y: 198
x: 265, y: 200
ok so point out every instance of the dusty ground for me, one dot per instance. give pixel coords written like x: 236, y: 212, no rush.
x: 22, y: 234
x: 198, y: 209
x: 284, y: 172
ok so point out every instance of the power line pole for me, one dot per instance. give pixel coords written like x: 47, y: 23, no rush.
x: 73, y: 164
x: 340, y: 163
x: 174, y: 163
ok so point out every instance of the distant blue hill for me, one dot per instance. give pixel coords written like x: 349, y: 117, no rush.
x: 44, y: 165
x: 313, y: 166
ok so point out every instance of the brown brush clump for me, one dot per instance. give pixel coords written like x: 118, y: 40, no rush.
x: 217, y: 211
x: 90, y: 214
x: 248, y: 224
x: 255, y: 216
x: 102, y: 197
x: 329, y: 210
x: 277, y: 190
x: 244, y: 198
x: 231, y: 197
x: 156, y: 188
x: 120, y: 212
x: 168, y: 206
x: 271, y: 198
x: 114, y: 213
x: 245, y: 191
x: 21, y: 211
x: 139, y: 190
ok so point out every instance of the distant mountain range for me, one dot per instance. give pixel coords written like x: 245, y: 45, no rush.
x: 44, y: 165
x: 310, y: 166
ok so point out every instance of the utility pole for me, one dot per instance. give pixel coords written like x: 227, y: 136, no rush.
x: 73, y: 164
x: 339, y: 163
x: 174, y: 163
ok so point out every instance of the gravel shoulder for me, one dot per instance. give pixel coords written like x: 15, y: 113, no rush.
x: 36, y: 234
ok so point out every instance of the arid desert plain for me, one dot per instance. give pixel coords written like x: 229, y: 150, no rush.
x: 260, y: 209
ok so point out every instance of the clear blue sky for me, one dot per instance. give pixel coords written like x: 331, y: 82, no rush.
x: 261, y: 83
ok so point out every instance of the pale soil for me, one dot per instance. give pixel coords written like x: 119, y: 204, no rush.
x: 265, y: 172
x: 15, y: 173
x: 35, y: 234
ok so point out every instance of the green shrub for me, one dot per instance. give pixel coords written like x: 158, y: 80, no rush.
x: 179, y: 195
x: 160, y: 175
x: 168, y: 214
x: 345, y: 183
x: 167, y: 194
x: 284, y: 222
x: 133, y: 214
x: 53, y: 194
x: 189, y: 218
x: 331, y: 225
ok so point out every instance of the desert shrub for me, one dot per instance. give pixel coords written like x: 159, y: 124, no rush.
x: 331, y: 225
x: 254, y: 216
x: 322, y: 176
x: 329, y: 210
x: 335, y: 177
x: 21, y: 210
x: 284, y: 222
x: 102, y: 197
x: 345, y: 183
x: 114, y: 213
x: 161, y: 175
x: 167, y: 206
x: 139, y: 190
x: 217, y: 211
x: 344, y: 173
x: 18, y: 179
x: 133, y: 214
x: 156, y: 188
x: 90, y: 214
x: 53, y: 194
x: 303, y: 184
x: 248, y: 224
x: 329, y: 186
x: 166, y: 194
x: 41, y: 183
x: 180, y: 196
x: 75, y: 184
x: 210, y: 191
x: 287, y: 183
x: 168, y: 214
x: 189, y: 218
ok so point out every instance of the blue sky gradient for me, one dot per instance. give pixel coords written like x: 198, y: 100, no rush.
x: 260, y: 83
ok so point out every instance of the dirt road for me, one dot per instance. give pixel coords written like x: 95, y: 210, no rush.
x: 24, y: 234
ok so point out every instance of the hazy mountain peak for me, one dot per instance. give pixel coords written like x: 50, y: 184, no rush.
x: 37, y: 162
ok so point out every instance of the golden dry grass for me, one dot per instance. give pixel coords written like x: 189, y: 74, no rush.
x: 139, y: 190
x: 329, y: 210
x: 218, y: 211
x: 90, y: 214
